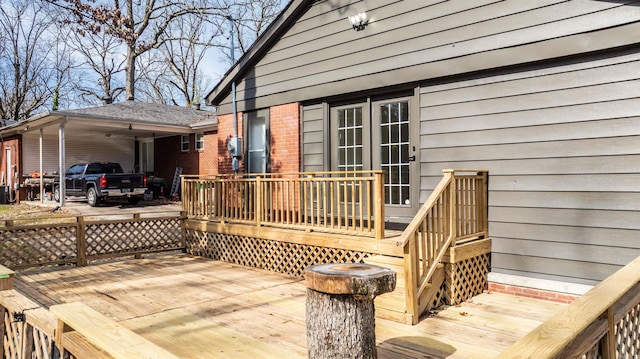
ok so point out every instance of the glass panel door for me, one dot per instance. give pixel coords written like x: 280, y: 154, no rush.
x: 397, y: 156
x: 394, y: 151
x: 257, y: 146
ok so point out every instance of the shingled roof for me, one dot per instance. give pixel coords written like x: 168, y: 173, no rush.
x: 142, y: 112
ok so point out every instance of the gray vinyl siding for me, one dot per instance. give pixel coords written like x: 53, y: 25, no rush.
x: 313, y: 138
x: 562, y: 146
x: 320, y: 55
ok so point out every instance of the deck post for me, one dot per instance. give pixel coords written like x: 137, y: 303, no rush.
x: 484, y: 203
x: 340, y: 310
x: 6, y: 278
x: 81, y: 243
x: 6, y: 283
x: 453, y: 208
x: 378, y: 202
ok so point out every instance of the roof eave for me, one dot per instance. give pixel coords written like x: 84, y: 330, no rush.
x: 288, y: 16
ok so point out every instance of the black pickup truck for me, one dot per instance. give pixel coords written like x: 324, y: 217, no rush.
x: 99, y: 181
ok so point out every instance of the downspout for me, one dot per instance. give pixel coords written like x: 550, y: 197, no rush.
x: 61, y: 156
x: 235, y: 165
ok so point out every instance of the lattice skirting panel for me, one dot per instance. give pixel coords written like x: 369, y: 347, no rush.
x: 275, y: 256
x: 22, y: 340
x: 133, y: 236
x: 440, y: 299
x: 466, y: 279
x: 628, y: 334
x: 21, y: 247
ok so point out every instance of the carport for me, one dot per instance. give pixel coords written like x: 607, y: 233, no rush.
x: 122, y: 132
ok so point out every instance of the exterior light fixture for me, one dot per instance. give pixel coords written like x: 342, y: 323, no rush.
x: 359, y: 21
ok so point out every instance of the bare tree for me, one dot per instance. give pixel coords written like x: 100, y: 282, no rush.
x: 63, y: 64
x: 101, y: 67
x: 249, y: 21
x: 153, y: 80
x: 175, y: 74
x: 25, y: 67
x: 140, y: 24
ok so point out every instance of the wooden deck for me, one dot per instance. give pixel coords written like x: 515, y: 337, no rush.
x: 201, y: 308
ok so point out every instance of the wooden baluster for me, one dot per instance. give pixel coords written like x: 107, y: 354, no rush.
x: 258, y: 198
x: 369, y: 204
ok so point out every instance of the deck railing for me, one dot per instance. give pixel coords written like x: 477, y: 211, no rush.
x: 335, y: 202
x: 77, y: 239
x: 602, y: 323
x: 26, y: 328
x: 454, y: 213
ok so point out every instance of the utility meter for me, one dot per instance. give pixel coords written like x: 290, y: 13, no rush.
x: 234, y: 146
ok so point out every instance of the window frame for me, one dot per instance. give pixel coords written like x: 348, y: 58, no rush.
x: 199, y: 141
x: 184, y: 148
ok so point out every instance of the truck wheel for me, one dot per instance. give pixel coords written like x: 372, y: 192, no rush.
x: 56, y: 194
x: 134, y: 200
x: 92, y: 197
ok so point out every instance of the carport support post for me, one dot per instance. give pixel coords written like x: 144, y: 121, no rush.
x: 41, y: 175
x: 61, y: 156
x: 340, y: 309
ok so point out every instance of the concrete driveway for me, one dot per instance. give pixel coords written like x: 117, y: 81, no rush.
x: 117, y: 210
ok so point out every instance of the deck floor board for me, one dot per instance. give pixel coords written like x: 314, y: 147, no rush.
x: 201, y: 308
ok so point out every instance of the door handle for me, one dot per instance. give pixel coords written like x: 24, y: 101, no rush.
x: 412, y: 158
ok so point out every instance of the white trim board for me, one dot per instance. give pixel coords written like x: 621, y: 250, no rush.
x: 539, y: 284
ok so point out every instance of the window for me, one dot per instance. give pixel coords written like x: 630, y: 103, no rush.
x: 184, y: 143
x: 199, y: 141
x: 350, y: 139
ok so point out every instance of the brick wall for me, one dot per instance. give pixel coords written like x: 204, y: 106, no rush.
x: 532, y: 293
x: 168, y: 156
x: 225, y: 131
x: 284, y: 123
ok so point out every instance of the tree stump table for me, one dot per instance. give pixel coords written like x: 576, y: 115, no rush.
x: 340, y: 309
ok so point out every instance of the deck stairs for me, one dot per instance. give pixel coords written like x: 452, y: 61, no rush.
x: 393, y: 305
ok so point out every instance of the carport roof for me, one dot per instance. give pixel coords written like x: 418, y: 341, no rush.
x: 148, y: 120
x: 135, y: 111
